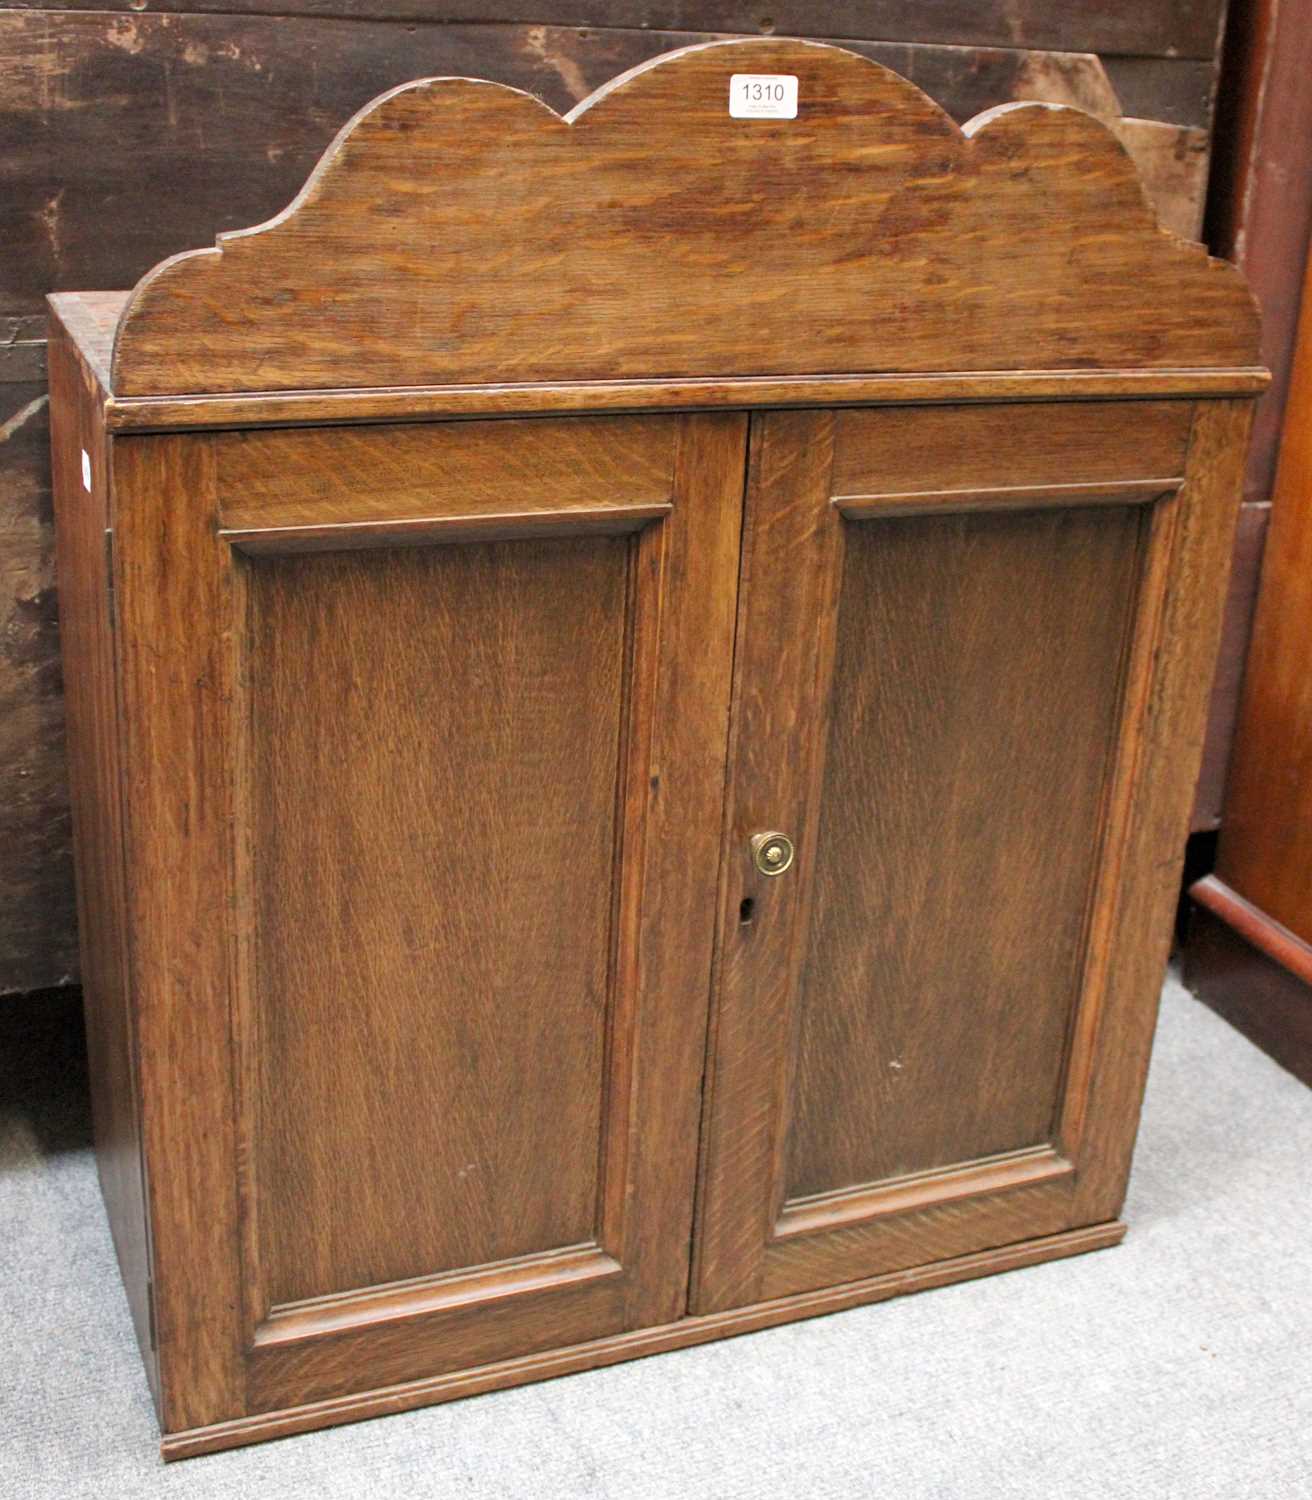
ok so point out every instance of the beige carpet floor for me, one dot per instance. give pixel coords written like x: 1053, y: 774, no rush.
x: 1177, y: 1365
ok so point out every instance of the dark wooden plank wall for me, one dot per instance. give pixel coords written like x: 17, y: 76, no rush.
x: 132, y: 129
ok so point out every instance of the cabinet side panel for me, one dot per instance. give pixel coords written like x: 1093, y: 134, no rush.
x: 1159, y: 788
x: 435, y: 744
x: 973, y: 714
x: 82, y: 520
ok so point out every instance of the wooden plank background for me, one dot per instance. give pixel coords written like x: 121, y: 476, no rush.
x: 132, y: 129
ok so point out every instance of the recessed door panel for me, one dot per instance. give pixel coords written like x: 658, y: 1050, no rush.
x: 971, y: 721
x: 433, y: 959
x: 937, y: 693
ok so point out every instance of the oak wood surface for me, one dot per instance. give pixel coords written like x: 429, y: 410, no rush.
x: 95, y: 752
x: 914, y: 1191
x: 380, y: 486
x: 951, y: 448
x: 859, y: 730
x: 352, y: 284
x: 445, y: 927
x: 133, y: 131
x: 178, y: 782
x: 183, y: 413
x: 637, y: 1344
x: 133, y: 136
x: 1158, y: 770
x: 1005, y: 497
x: 938, y: 988
x: 429, y: 1000
x: 94, y: 324
x: 509, y: 1099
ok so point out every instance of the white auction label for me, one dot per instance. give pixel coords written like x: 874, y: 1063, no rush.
x: 86, y: 470
x: 763, y: 96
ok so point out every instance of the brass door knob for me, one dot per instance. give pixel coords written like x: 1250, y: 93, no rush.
x: 772, y: 853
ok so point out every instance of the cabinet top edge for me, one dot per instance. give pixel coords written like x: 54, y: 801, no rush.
x: 291, y: 408
x: 89, y: 319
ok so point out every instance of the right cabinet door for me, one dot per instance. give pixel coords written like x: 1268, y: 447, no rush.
x: 956, y: 672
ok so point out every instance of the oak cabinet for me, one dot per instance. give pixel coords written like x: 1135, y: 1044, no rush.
x: 672, y: 835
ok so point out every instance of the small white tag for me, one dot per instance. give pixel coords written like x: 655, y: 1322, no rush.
x: 763, y: 96
x: 86, y: 471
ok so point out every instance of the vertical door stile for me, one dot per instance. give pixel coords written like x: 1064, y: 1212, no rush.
x: 791, y: 560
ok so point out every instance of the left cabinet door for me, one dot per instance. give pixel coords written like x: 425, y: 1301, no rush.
x: 425, y: 747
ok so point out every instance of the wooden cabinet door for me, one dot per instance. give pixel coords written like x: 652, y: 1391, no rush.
x: 439, y: 712
x: 965, y: 651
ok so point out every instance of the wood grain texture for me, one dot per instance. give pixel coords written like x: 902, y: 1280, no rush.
x: 499, y: 168
x: 637, y: 1344
x: 920, y: 1190
x: 134, y: 133
x: 431, y: 1001
x: 933, y: 1014
x: 368, y: 1308
x: 747, y: 392
x: 1265, y: 852
x: 518, y: 720
x: 639, y: 1169
x: 864, y: 1199
x: 177, y: 691
x: 1128, y: 769
x: 962, y: 448
x: 787, y: 607
x: 38, y: 933
x: 426, y: 1341
x: 1005, y: 497
x: 685, y: 744
x: 1260, y: 211
x: 1166, y: 28
x: 377, y: 485
x: 432, y: 869
x: 193, y: 124
x: 1260, y: 216
x: 95, y: 764
x: 93, y: 315
x: 1158, y: 792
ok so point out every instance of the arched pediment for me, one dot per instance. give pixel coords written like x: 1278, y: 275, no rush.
x: 460, y: 232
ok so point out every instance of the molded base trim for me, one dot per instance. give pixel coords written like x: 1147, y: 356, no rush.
x: 296, y: 1321
x: 922, y: 1190
x: 635, y: 1344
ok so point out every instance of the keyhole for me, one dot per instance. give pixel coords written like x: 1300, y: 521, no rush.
x: 746, y: 910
